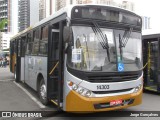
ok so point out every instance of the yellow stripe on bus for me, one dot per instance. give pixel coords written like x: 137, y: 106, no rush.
x: 149, y: 88
x: 53, y: 68
x: 54, y: 102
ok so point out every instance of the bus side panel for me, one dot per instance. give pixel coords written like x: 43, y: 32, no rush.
x: 26, y: 69
x: 40, y: 67
x: 22, y: 68
x: 34, y: 66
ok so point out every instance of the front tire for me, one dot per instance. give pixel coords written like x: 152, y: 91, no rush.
x: 42, y: 91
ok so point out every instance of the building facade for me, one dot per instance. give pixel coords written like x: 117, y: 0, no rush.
x: 13, y: 17
x: 9, y: 11
x: 23, y: 14
x: 46, y: 8
x: 5, y: 13
x: 28, y: 13
x: 42, y: 9
x: 128, y: 5
x: 5, y: 40
x: 146, y: 22
x: 124, y: 4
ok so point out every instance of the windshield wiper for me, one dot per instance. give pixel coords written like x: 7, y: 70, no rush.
x: 123, y: 41
x: 87, y: 49
x: 102, y: 38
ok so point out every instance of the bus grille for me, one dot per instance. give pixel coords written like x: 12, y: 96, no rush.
x: 113, y: 78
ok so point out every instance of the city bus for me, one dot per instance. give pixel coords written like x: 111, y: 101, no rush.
x: 151, y: 57
x: 84, y: 58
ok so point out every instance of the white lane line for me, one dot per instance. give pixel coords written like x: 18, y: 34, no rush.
x: 31, y: 96
x: 6, y: 80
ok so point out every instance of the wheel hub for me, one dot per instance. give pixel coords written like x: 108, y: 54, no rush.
x: 43, y: 91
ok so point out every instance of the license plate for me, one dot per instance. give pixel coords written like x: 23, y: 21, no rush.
x: 115, y: 102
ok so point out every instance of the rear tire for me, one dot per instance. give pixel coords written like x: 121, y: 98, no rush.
x: 42, y: 91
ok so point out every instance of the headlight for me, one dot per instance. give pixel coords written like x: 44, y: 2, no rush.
x: 82, y: 91
x: 88, y: 93
x: 136, y: 89
x: 75, y: 87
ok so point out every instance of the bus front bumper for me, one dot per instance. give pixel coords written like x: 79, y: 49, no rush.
x: 78, y: 103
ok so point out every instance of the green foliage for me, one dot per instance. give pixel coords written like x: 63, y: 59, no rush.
x: 5, y: 49
x: 2, y: 23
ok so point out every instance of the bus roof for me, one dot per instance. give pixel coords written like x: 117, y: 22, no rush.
x: 66, y: 10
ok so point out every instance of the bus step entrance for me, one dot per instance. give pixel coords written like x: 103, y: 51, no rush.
x: 54, y: 87
x: 153, y: 65
x: 55, y: 101
x: 151, y: 72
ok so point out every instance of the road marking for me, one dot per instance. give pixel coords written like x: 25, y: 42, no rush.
x: 31, y: 96
x: 6, y: 80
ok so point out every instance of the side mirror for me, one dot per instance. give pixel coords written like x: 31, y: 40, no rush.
x: 67, y: 33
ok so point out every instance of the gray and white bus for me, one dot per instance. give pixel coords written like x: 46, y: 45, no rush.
x: 83, y: 58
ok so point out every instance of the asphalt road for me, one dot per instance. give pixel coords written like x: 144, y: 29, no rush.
x: 13, y: 98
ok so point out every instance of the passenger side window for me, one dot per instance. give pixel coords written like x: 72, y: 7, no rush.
x: 29, y: 44
x: 44, y: 41
x: 19, y: 47
x: 23, y: 46
x: 43, y: 48
x: 35, y: 49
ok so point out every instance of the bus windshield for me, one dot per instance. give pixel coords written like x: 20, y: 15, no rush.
x: 88, y: 52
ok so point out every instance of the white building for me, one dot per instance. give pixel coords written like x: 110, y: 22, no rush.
x: 12, y: 17
x: 28, y: 13
x: 128, y: 5
x: 46, y: 8
x: 124, y: 4
x: 146, y: 22
x: 5, y: 40
x: 34, y: 12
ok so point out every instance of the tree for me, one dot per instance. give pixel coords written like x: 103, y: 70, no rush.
x: 2, y: 24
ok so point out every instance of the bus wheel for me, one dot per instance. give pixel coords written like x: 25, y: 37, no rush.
x: 43, y: 92
x: 15, y: 75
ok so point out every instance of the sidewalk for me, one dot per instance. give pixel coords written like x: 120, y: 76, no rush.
x: 13, y: 98
x: 5, y: 73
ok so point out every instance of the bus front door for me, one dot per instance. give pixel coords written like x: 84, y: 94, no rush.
x: 53, y: 64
